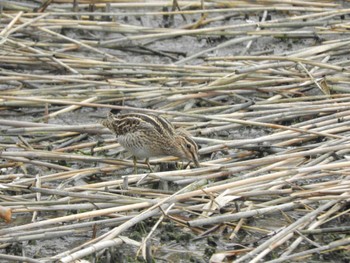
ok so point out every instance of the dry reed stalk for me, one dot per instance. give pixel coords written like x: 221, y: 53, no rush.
x: 338, y: 244
x: 6, y: 30
x: 18, y: 258
x: 39, y: 163
x: 62, y: 229
x: 59, y: 156
x: 68, y: 174
x: 83, y: 215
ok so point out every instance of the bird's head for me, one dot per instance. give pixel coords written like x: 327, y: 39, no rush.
x: 186, y: 147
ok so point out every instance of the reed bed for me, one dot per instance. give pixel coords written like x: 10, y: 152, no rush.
x: 262, y: 86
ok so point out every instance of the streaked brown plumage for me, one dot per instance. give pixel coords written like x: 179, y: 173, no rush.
x: 149, y: 135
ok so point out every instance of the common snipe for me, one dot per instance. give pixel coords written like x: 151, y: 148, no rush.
x: 148, y: 135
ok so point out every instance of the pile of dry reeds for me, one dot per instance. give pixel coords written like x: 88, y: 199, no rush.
x: 263, y: 87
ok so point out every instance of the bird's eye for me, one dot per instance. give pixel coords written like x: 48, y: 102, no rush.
x: 188, y: 146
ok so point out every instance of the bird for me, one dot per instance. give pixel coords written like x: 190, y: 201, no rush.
x: 150, y: 135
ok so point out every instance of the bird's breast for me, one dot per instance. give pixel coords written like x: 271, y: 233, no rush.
x: 141, y: 147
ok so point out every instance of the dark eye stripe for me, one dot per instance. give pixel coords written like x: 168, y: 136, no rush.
x: 189, y: 140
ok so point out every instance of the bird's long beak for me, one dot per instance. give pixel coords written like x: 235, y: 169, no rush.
x: 196, y: 161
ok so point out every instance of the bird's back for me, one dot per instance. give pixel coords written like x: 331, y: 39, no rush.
x: 144, y: 135
x: 123, y: 124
